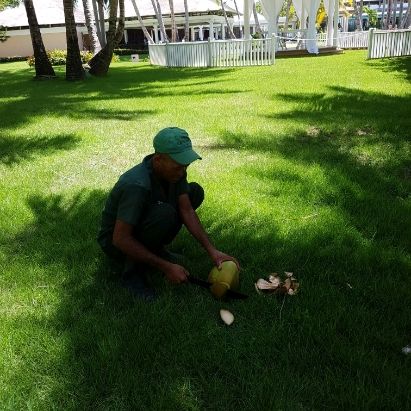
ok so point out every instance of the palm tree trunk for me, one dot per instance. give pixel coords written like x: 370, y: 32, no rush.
x: 394, y: 14
x: 173, y: 22
x: 97, y: 24
x: 360, y: 13
x: 383, y: 18
x: 121, y: 22
x: 143, y: 27
x: 256, y: 22
x: 401, y: 13
x: 74, y: 66
x: 187, y: 22
x: 287, y: 14
x: 389, y: 13
x: 91, y: 27
x: 406, y: 21
x: 238, y: 15
x: 100, y: 63
x: 42, y: 64
x: 358, y: 23
x: 100, y: 10
x: 157, y: 10
x: 231, y: 34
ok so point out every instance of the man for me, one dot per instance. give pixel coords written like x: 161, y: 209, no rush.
x: 146, y: 209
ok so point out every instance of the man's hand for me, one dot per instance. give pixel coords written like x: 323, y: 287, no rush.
x: 176, y: 274
x: 219, y: 257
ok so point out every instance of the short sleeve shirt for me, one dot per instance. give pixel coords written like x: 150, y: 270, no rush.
x: 133, y: 194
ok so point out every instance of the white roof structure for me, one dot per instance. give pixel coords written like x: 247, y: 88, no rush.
x: 194, y: 6
x: 48, y: 13
x: 51, y: 12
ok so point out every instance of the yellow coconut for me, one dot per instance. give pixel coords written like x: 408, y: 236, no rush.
x: 225, y: 279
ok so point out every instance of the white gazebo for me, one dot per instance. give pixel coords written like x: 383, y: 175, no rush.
x: 306, y: 10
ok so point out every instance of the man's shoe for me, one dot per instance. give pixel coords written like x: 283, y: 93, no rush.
x: 136, y: 284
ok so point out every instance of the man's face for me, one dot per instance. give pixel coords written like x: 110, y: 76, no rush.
x: 168, y: 169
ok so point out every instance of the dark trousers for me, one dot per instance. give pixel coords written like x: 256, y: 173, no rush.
x: 159, y: 226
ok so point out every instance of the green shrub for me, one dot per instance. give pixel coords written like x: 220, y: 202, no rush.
x: 13, y: 58
x: 127, y: 52
x: 59, y: 57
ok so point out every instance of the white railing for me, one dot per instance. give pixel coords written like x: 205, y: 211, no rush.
x: 391, y: 43
x: 322, y: 39
x: 353, y: 40
x: 219, y: 53
x: 291, y: 39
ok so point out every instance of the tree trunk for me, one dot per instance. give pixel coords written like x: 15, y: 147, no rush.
x: 97, y: 24
x: 406, y: 21
x: 100, y: 10
x: 42, y: 64
x: 121, y: 22
x: 383, y: 18
x: 287, y: 14
x: 91, y: 27
x: 157, y: 10
x: 143, y: 27
x: 173, y: 22
x: 238, y: 15
x: 360, y: 13
x: 100, y: 63
x: 230, y: 30
x: 401, y: 14
x: 257, y: 23
x: 74, y: 66
x: 394, y: 14
x: 187, y: 22
x: 358, y: 22
x: 389, y: 14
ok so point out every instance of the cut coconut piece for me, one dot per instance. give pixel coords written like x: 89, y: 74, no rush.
x: 227, y: 317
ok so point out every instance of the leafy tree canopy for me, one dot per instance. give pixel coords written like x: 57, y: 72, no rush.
x: 8, y: 3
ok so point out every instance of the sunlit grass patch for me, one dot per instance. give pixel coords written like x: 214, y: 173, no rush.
x: 306, y: 168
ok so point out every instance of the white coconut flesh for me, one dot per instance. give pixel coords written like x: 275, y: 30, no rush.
x: 227, y: 317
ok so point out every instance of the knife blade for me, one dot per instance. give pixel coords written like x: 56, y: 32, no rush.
x: 205, y: 284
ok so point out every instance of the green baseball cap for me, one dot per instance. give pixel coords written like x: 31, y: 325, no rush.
x: 175, y: 142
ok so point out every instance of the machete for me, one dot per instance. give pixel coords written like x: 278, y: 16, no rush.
x: 205, y: 284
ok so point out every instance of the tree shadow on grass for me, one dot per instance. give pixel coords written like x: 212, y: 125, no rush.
x: 400, y: 65
x: 116, y: 352
x: 30, y: 99
x: 17, y: 149
x: 346, y: 110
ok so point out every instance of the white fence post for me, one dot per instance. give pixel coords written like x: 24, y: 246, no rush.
x: 218, y: 53
x: 210, y: 57
x: 370, y: 42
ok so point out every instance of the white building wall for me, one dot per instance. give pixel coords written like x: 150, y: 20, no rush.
x: 19, y: 42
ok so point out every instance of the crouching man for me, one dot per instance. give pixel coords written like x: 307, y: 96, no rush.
x: 146, y: 209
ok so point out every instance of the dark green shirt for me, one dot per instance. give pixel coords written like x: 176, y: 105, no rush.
x: 135, y: 191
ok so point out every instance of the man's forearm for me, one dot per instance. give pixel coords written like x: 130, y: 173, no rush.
x: 194, y: 226
x: 138, y: 252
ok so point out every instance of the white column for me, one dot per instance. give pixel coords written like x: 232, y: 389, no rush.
x: 193, y: 34
x: 336, y: 15
x: 246, y: 17
x: 200, y: 33
x: 312, y: 32
x: 223, y: 31
x: 155, y: 33
x: 125, y: 36
x: 330, y: 21
x: 303, y: 18
x: 211, y: 30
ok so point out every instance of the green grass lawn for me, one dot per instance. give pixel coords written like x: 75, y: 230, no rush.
x: 306, y: 167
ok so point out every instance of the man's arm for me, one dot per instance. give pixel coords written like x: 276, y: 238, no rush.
x: 192, y: 222
x: 124, y: 241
